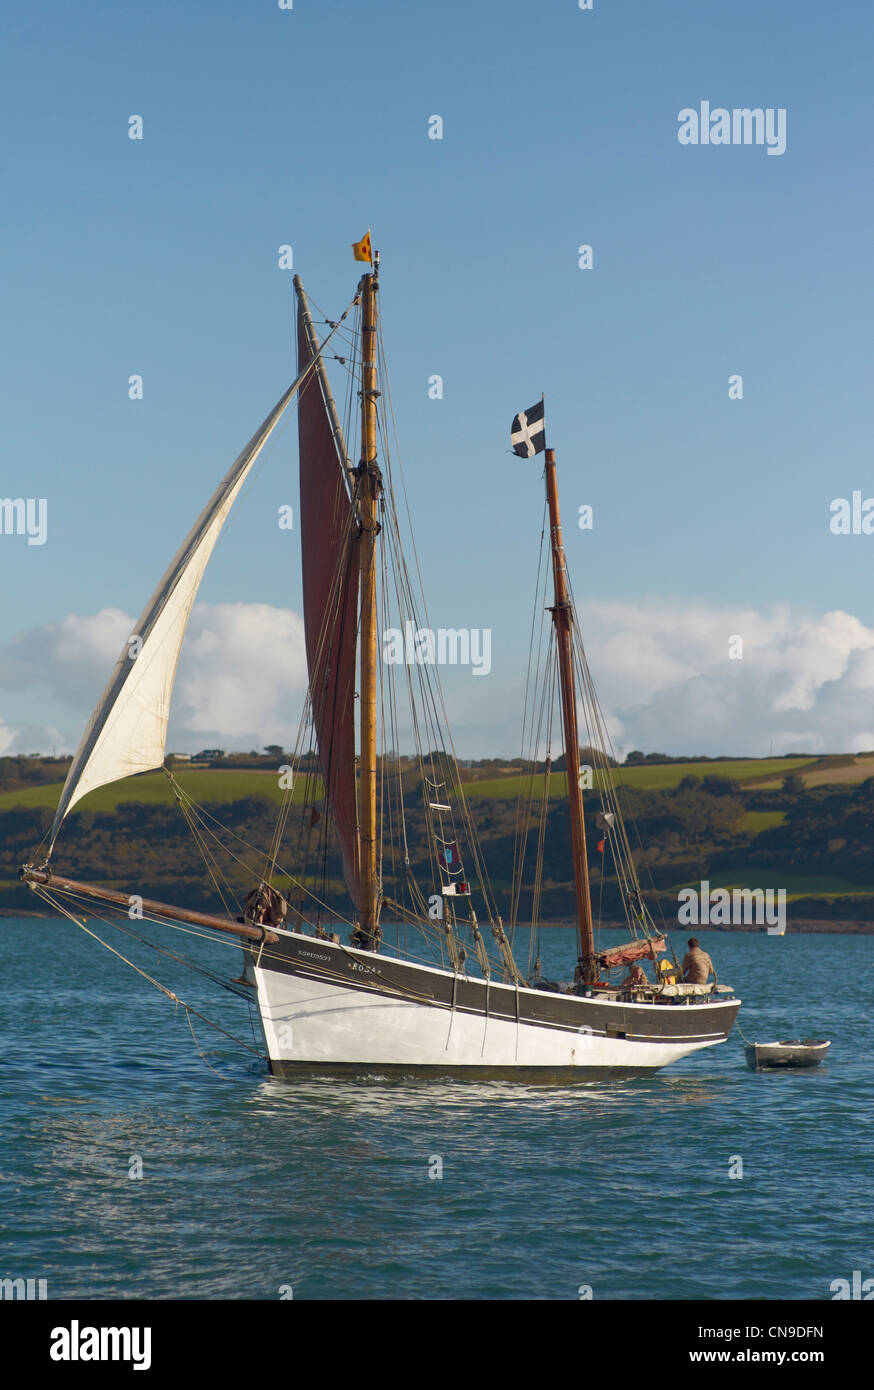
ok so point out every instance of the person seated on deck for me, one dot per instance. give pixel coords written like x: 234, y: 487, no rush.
x: 636, y: 976
x: 697, y: 965
x: 666, y: 971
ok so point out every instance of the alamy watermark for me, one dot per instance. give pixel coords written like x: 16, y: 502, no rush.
x: 25, y: 516
x: 23, y: 1288
x: 742, y: 125
x: 857, y: 1288
x: 850, y: 516
x: 448, y: 646
x: 76, y: 1343
x: 731, y: 907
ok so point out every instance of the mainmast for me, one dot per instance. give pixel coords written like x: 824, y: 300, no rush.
x: 562, y: 616
x: 369, y: 488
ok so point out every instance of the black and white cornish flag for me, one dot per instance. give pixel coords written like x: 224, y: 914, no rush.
x: 528, y: 432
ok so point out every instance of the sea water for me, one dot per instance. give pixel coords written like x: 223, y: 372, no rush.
x: 143, y: 1154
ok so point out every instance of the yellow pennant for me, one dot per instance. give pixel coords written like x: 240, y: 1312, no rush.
x: 361, y: 249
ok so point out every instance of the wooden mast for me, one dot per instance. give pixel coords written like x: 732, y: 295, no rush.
x: 370, y: 486
x: 562, y: 616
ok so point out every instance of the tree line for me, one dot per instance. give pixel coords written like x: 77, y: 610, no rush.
x: 678, y: 835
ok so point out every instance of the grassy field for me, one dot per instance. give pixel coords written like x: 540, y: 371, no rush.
x: 217, y: 784
x: 819, y: 774
x: 796, y: 885
x: 761, y: 820
x: 654, y: 777
x: 152, y: 787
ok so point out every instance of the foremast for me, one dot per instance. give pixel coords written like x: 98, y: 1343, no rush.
x: 562, y: 617
x: 369, y: 489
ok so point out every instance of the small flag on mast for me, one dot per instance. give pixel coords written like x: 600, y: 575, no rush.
x: 528, y: 432
x: 448, y: 857
x: 361, y: 249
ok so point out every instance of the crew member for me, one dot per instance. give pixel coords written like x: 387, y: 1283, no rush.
x: 265, y: 906
x: 697, y: 965
x: 636, y: 976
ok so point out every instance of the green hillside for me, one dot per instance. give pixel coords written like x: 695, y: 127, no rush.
x: 202, y: 784
x: 655, y: 777
x: 741, y: 823
x: 795, y: 885
x: 223, y: 785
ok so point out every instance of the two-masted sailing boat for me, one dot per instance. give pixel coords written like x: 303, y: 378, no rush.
x: 376, y: 946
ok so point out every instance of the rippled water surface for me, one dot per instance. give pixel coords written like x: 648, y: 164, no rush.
x: 250, y: 1184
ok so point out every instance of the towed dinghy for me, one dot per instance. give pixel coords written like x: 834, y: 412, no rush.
x: 808, y: 1052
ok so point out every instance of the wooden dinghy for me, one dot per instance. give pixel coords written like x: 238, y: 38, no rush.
x: 808, y: 1052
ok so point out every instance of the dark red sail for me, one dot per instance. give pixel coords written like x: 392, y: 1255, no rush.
x: 329, y: 546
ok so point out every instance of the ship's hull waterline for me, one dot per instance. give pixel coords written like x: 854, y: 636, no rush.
x: 332, y: 1010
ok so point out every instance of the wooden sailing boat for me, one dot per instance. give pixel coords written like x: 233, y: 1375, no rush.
x: 366, y: 1003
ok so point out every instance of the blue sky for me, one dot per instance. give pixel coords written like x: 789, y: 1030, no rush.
x: 264, y: 127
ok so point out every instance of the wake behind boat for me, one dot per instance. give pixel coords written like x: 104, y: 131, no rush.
x: 454, y: 1002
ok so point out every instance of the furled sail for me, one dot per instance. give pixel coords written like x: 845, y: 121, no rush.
x: 329, y: 545
x: 631, y: 950
x: 128, y: 729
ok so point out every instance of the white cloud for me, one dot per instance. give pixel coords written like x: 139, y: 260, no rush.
x: 240, y: 682
x: 29, y: 738
x: 662, y: 671
x: 69, y: 660
x: 665, y: 678
x: 242, y: 677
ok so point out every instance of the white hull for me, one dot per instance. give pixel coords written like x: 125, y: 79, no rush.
x: 313, y: 1023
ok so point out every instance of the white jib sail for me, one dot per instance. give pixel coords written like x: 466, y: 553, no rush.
x: 128, y: 729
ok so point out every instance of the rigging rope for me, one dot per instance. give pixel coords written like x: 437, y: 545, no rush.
x: 53, y: 901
